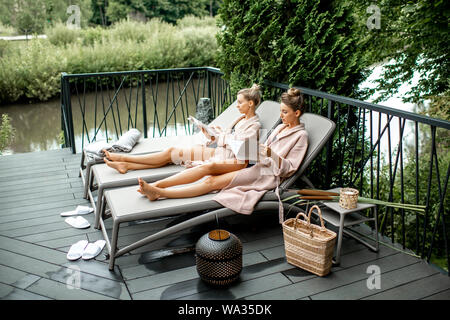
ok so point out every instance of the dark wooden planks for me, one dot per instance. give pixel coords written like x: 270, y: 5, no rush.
x: 36, y: 187
x: 418, y: 286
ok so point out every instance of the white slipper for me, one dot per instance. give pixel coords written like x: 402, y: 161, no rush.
x: 76, y: 250
x: 78, y: 211
x: 93, y: 249
x: 78, y: 222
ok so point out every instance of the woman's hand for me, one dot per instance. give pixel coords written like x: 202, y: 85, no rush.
x: 265, y: 151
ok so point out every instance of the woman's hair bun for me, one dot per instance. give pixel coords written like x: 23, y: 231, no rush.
x: 253, y: 94
x: 294, y: 99
x: 293, y: 92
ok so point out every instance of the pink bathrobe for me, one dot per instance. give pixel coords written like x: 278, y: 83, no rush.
x: 250, y: 185
x: 243, y: 129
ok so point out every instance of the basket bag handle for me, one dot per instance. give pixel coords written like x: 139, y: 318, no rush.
x: 308, y: 218
x: 320, y: 215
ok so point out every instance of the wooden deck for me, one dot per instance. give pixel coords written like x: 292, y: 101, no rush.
x: 34, y: 240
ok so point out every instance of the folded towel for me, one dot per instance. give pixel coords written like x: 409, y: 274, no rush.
x: 95, y: 149
x: 127, y: 141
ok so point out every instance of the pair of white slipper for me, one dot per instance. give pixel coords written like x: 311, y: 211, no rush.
x: 78, y: 222
x: 86, y: 251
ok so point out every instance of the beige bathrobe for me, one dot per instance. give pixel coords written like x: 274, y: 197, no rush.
x: 243, y: 129
x: 250, y: 185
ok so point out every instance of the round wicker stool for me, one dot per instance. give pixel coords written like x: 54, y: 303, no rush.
x: 218, y: 256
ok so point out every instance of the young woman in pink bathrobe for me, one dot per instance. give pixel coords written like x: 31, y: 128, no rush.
x: 281, y: 156
x: 214, y: 161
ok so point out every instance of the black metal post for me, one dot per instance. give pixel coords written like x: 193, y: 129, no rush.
x: 144, y: 106
x: 68, y: 112
x: 329, y: 145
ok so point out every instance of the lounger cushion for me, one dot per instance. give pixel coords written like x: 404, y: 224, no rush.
x: 107, y: 177
x: 127, y: 204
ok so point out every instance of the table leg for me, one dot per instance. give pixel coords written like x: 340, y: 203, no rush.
x: 375, y: 217
x: 337, y: 259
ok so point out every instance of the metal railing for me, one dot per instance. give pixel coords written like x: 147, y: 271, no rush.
x: 154, y: 101
x: 391, y: 155
x: 386, y: 153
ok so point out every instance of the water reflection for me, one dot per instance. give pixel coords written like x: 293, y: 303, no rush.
x: 38, y: 125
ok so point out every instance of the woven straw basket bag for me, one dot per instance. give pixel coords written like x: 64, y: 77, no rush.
x: 307, y: 245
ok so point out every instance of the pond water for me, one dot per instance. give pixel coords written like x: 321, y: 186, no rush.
x: 38, y: 125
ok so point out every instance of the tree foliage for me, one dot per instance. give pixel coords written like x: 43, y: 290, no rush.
x: 304, y: 43
x: 413, y: 37
x: 107, y: 12
x: 34, y: 16
x: 98, y: 8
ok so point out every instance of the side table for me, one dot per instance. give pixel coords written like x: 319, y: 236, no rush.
x: 343, y: 218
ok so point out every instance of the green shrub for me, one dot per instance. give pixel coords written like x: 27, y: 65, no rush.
x: 34, y: 70
x: 6, y: 30
x: 192, y: 21
x: 4, y: 44
x: 199, y: 47
x: 127, y: 30
x: 32, y: 73
x: 7, y: 132
x: 60, y: 35
x: 92, y: 35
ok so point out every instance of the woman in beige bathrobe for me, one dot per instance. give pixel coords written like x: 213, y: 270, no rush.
x: 282, y: 154
x: 215, y: 161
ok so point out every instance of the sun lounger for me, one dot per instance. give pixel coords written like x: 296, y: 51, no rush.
x: 107, y: 178
x: 127, y: 205
x: 150, y: 145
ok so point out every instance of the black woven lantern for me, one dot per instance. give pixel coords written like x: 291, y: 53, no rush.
x: 218, y: 255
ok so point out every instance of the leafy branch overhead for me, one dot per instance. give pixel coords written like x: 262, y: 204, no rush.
x: 413, y: 38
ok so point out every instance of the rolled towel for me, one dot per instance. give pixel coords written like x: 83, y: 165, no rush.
x: 127, y: 141
x: 95, y: 149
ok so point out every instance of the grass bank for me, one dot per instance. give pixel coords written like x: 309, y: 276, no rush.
x: 31, y: 70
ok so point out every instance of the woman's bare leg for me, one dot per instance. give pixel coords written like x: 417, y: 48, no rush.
x: 123, y: 167
x: 196, y: 173
x: 157, y: 159
x: 212, y: 183
x: 170, y: 155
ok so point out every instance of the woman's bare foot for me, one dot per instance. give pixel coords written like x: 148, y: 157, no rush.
x: 148, y: 190
x: 112, y: 156
x: 119, y: 166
